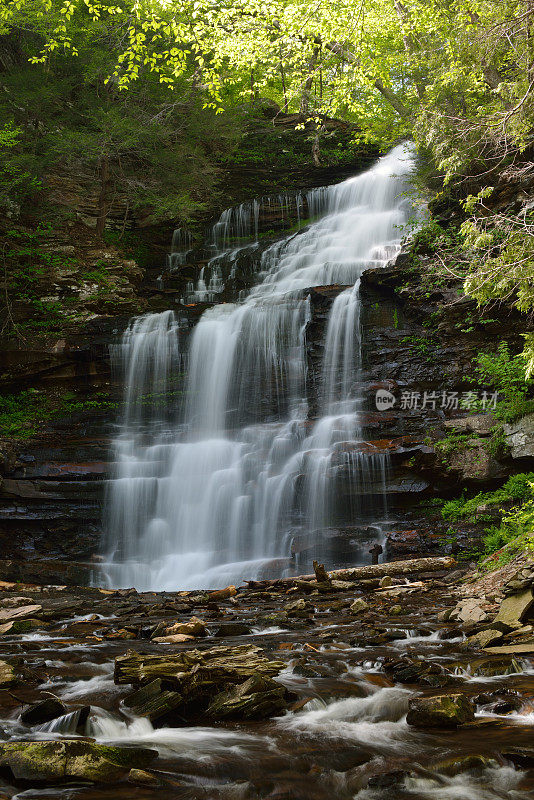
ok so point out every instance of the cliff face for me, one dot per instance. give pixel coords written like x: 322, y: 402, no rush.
x: 420, y: 340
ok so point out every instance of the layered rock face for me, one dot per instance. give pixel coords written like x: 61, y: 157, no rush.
x: 54, y: 485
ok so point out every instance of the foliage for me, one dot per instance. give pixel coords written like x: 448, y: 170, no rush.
x: 515, y: 533
x: 517, y: 487
x: 453, y: 443
x: 506, y: 373
x: 22, y: 415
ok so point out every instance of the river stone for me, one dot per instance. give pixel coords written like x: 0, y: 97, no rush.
x: 233, y: 629
x: 256, y: 698
x: 198, y: 676
x: 515, y: 607
x: 45, y: 711
x: 468, y: 611
x: 455, y: 766
x: 442, y: 711
x: 67, y: 759
x: 21, y: 626
x: 513, y: 649
x: 195, y: 627
x: 296, y: 605
x: 485, y: 638
x: 488, y: 667
x: 15, y: 602
x: 153, y: 701
x: 7, y: 674
x: 175, y: 638
x: 358, y: 605
x: 142, y: 778
x: 7, y: 614
x: 519, y: 437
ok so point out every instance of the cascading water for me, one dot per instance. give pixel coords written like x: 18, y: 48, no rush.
x: 226, y: 492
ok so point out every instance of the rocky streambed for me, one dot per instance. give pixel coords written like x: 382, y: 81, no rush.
x: 294, y: 690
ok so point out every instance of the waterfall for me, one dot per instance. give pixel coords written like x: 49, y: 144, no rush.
x: 244, y: 478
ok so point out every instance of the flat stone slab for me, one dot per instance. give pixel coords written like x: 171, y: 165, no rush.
x: 510, y: 649
x: 514, y: 608
x: 7, y: 614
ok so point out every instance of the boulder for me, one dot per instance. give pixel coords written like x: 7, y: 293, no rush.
x: 7, y: 674
x: 67, y: 759
x: 485, y: 638
x: 489, y: 667
x: 190, y: 682
x: 15, y: 602
x: 519, y: 437
x: 222, y: 594
x: 45, y: 711
x: 257, y: 698
x: 176, y: 638
x: 153, y: 701
x: 473, y: 463
x: 195, y: 627
x: 468, y: 611
x: 513, y: 649
x: 7, y: 614
x: 295, y: 606
x: 515, y: 607
x: 441, y: 711
x: 233, y: 629
x: 21, y: 626
x: 421, y: 671
x: 358, y: 605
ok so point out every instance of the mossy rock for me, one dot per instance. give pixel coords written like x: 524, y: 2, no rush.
x: 442, y: 711
x: 7, y: 674
x: 64, y: 760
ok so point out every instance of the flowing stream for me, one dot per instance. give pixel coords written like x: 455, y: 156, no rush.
x: 220, y: 492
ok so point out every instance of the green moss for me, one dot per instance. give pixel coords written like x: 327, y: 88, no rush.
x: 23, y: 415
x: 517, y: 487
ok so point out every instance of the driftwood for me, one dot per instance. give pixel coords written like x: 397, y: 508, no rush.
x: 358, y: 574
x: 321, y: 574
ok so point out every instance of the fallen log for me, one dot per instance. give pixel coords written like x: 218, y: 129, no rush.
x: 355, y: 574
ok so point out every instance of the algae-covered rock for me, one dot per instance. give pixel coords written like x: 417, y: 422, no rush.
x: 67, y: 759
x: 441, y: 711
x: 358, y: 606
x: 256, y: 698
x: 7, y: 674
x: 231, y: 681
x: 153, y: 701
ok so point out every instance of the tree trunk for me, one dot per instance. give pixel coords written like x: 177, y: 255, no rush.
x: 353, y: 574
x: 305, y: 97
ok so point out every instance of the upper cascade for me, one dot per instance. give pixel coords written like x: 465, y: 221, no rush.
x: 223, y: 494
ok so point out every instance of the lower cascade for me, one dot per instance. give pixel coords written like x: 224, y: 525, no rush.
x: 221, y: 487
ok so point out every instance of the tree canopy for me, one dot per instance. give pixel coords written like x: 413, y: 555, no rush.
x: 455, y: 75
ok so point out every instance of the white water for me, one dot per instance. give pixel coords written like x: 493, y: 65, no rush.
x: 220, y: 497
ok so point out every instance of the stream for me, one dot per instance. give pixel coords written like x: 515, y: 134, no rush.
x: 346, y: 734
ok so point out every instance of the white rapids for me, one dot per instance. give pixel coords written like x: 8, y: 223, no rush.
x: 222, y: 494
